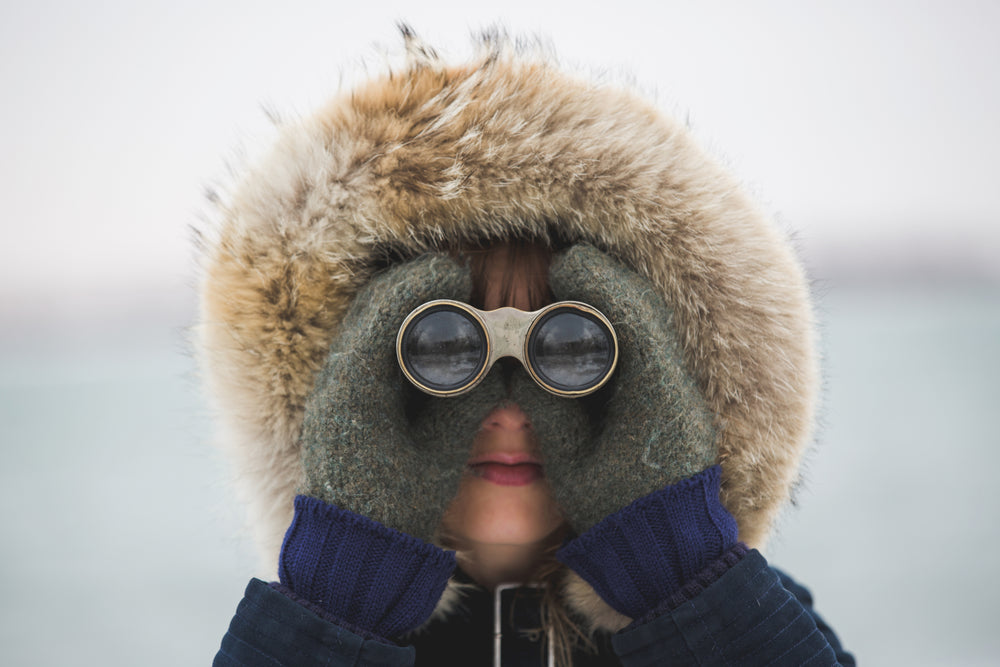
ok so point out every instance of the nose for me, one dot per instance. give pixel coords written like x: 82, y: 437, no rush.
x: 509, y: 417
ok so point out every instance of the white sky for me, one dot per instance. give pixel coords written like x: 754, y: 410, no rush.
x: 858, y: 123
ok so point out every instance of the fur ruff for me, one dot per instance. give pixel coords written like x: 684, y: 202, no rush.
x: 433, y: 155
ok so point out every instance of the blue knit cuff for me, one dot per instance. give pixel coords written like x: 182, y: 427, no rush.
x: 639, y: 557
x: 360, y: 572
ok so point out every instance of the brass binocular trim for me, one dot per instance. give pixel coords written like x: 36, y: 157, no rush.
x: 507, y: 332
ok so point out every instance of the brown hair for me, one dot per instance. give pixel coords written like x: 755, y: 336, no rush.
x: 513, y: 273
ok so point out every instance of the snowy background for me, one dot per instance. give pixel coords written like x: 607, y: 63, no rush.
x: 868, y: 128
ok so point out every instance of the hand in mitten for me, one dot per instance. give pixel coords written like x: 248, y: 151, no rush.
x: 653, y: 444
x: 374, y: 481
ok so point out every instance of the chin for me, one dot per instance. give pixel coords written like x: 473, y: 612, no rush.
x: 485, y: 513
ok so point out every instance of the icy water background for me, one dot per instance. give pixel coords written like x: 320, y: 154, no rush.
x: 122, y: 547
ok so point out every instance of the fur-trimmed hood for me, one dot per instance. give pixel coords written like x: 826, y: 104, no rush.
x: 507, y: 145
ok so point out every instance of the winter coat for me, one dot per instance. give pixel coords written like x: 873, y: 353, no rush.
x: 433, y: 155
x: 753, y: 615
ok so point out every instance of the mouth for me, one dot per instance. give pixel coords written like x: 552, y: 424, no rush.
x: 507, y: 469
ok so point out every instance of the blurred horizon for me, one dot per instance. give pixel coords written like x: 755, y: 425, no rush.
x: 170, y: 296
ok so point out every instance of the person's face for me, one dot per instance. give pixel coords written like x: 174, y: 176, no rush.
x: 503, y: 498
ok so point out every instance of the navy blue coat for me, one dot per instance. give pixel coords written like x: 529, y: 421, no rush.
x: 752, y: 615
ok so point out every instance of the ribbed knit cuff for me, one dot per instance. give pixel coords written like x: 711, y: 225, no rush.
x: 638, y: 558
x: 363, y: 574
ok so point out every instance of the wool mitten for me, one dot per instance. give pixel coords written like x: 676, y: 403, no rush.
x: 380, y: 465
x: 631, y: 465
x: 369, y: 443
x: 648, y: 427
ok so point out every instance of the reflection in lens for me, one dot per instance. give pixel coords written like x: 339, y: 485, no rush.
x: 571, y: 351
x: 444, y: 349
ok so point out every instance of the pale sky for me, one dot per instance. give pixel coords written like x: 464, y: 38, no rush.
x: 861, y: 125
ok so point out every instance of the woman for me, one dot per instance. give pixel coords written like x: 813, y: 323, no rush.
x: 636, y: 508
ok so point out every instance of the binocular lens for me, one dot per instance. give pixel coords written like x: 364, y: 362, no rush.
x: 571, y: 350
x: 444, y: 348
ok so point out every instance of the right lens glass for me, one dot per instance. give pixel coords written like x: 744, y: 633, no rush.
x: 571, y: 350
x: 444, y: 348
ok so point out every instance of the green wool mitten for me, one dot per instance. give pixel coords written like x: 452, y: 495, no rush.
x: 650, y: 427
x: 371, y: 443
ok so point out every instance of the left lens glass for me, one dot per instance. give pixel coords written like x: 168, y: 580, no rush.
x: 444, y: 348
x: 571, y: 350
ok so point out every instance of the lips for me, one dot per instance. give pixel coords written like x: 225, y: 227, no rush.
x: 507, y: 469
x: 520, y: 474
